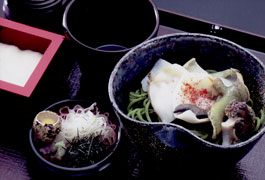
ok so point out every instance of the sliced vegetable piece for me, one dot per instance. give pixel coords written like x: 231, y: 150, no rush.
x: 191, y: 114
x: 237, y: 91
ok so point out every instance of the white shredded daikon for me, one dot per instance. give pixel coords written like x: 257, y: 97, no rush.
x: 79, y: 123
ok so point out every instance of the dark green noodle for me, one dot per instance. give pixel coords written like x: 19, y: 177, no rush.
x: 251, y: 103
x: 260, y: 120
x: 201, y: 134
x: 139, y: 106
x: 211, y: 71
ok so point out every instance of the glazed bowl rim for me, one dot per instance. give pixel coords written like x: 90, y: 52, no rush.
x: 153, y: 40
x: 66, y: 27
x: 79, y: 169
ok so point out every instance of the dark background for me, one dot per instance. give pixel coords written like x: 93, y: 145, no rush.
x: 244, y: 15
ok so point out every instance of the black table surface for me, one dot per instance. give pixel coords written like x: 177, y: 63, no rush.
x: 16, y: 159
x: 239, y: 14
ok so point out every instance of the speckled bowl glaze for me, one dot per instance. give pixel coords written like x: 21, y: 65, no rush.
x: 171, y: 141
x: 93, y: 169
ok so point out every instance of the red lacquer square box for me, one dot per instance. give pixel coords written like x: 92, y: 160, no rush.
x: 27, y: 37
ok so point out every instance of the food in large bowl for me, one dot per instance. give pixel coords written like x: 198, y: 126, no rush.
x: 75, y: 137
x: 190, y: 96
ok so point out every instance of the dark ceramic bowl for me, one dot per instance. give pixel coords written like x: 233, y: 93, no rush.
x: 171, y: 141
x: 93, y: 169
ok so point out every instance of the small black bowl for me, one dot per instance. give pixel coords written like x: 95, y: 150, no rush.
x: 93, y: 169
x: 166, y: 141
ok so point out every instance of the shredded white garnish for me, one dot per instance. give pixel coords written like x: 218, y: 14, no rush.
x: 82, y: 122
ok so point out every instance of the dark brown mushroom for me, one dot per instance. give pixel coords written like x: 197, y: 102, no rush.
x: 240, y: 123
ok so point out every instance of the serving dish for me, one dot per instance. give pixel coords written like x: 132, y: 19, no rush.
x: 92, y: 168
x: 168, y: 141
x: 101, y: 45
x: 81, y: 18
x: 27, y: 37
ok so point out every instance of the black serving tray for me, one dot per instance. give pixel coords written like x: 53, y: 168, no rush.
x: 64, y: 79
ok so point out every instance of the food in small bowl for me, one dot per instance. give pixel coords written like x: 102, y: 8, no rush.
x: 173, y: 108
x: 75, y: 136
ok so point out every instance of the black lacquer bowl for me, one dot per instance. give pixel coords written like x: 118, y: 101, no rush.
x: 110, y: 26
x: 97, y: 167
x: 171, y: 141
x: 102, y: 31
